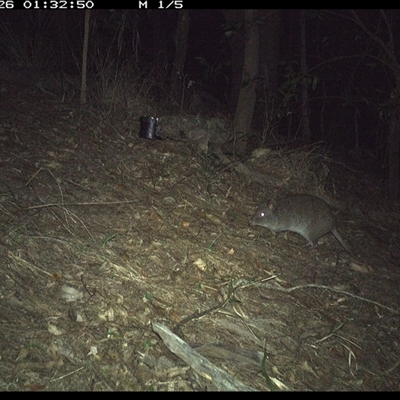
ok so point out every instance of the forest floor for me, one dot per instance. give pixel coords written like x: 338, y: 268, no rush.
x: 105, y: 237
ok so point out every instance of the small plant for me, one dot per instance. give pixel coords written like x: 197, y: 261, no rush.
x: 109, y: 238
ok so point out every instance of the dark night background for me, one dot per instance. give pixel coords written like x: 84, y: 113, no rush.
x: 350, y: 101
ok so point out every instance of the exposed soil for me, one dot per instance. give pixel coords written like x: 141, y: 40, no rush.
x: 103, y: 233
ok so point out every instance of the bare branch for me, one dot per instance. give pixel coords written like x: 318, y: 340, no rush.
x: 394, y: 65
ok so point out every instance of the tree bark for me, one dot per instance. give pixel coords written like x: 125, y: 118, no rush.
x: 264, y: 120
x: 234, y: 32
x: 83, y: 97
x: 247, y: 96
x: 181, y: 44
x: 305, y: 105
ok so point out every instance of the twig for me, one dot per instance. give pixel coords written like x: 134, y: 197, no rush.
x: 103, y: 203
x: 218, y: 377
x: 288, y: 290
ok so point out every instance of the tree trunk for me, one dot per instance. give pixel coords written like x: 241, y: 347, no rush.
x: 247, y: 96
x: 181, y: 44
x: 264, y: 120
x: 159, y: 38
x: 84, y: 58
x: 234, y: 19
x: 305, y: 105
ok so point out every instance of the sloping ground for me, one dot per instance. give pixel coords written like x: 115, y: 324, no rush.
x: 102, y: 234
